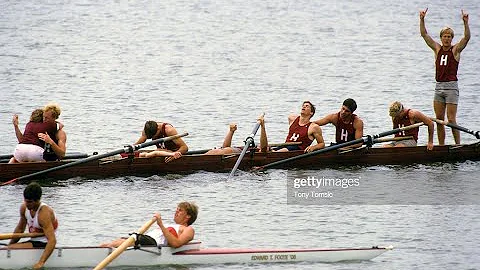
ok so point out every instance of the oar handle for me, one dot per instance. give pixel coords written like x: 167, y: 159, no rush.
x: 4, y: 236
x: 128, y: 242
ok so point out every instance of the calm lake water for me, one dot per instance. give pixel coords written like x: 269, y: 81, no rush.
x: 201, y: 65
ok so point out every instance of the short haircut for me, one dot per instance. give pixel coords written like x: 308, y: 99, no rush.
x: 395, y: 108
x: 191, y: 209
x: 150, y: 129
x: 446, y: 30
x: 37, y: 116
x: 350, y: 104
x: 311, y: 106
x: 54, y: 108
x: 32, y: 192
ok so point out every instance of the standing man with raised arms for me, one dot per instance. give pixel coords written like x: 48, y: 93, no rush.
x: 447, y: 58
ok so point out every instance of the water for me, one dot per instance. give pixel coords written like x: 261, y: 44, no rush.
x: 200, y: 65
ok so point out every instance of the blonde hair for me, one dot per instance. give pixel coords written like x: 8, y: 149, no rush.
x: 54, y: 108
x: 37, y: 116
x: 192, y: 210
x: 446, y: 30
x: 395, y: 108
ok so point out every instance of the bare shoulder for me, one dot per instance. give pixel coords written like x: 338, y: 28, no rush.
x: 314, y: 128
x: 170, y: 130
x: 358, y: 121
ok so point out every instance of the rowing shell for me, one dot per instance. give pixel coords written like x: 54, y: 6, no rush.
x: 188, y: 254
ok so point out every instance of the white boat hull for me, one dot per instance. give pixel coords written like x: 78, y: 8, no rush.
x: 188, y: 254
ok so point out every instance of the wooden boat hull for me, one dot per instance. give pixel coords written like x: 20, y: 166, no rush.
x: 117, y: 166
x: 69, y: 257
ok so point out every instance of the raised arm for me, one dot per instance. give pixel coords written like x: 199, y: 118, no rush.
x: 466, y: 36
x: 423, y: 32
x: 18, y: 132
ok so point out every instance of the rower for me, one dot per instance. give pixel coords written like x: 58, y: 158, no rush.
x: 300, y: 130
x: 171, y: 150
x: 402, y: 117
x: 175, y: 235
x: 40, y: 218
x: 348, y: 125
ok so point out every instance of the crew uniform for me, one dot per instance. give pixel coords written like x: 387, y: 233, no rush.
x: 403, y: 122
x: 345, y: 132
x: 169, y: 145
x: 298, y: 133
x: 156, y: 238
x: 446, y: 87
x: 34, y: 227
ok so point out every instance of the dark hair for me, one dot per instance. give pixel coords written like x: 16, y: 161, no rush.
x: 311, y: 106
x: 150, y: 129
x: 32, y: 192
x: 191, y: 209
x: 351, y: 104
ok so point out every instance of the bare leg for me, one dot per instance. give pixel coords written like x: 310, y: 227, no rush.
x: 439, y: 109
x: 114, y: 244
x: 12, y: 160
x: 227, y: 142
x: 452, y: 118
x: 20, y: 245
x: 156, y: 153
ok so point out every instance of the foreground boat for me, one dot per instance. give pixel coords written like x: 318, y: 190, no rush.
x: 117, y: 166
x: 191, y: 253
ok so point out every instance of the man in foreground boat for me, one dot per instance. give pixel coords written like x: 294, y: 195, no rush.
x: 348, y: 125
x: 175, y: 235
x: 171, y: 150
x: 40, y: 218
x: 301, y: 129
x: 402, y: 117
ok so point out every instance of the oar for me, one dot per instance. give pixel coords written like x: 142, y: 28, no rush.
x: 248, y: 142
x: 125, y: 149
x: 369, y: 140
x: 128, y: 242
x: 455, y: 126
x: 4, y: 236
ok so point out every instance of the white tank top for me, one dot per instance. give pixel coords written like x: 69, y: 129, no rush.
x: 34, y: 226
x: 157, y: 234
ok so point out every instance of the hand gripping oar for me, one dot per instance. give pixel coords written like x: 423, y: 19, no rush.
x: 128, y: 242
x: 369, y: 140
x: 454, y: 126
x: 125, y: 149
x: 248, y: 143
